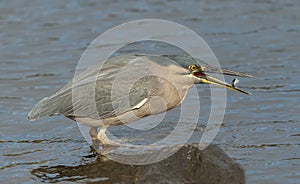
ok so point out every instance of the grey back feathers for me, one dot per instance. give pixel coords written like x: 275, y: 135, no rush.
x: 102, y: 81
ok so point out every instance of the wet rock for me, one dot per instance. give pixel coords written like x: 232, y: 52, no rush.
x: 188, y: 165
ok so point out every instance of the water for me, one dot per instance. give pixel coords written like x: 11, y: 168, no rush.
x: 41, y: 44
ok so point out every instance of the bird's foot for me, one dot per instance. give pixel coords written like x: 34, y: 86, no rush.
x: 95, y: 145
x: 105, y: 141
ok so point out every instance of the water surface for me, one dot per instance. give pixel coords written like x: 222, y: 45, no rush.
x: 41, y: 44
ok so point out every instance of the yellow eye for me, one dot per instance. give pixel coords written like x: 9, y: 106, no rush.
x: 193, y: 67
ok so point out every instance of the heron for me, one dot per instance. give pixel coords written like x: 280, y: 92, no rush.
x: 161, y: 83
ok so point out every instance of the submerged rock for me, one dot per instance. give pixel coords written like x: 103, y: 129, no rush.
x: 188, y: 165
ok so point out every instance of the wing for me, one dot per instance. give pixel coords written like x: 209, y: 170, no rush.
x: 95, y: 93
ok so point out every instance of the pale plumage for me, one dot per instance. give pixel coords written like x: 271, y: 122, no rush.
x: 158, y: 79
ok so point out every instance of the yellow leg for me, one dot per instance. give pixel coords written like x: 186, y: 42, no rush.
x: 101, y: 136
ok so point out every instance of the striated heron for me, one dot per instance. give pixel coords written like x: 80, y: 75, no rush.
x: 161, y: 83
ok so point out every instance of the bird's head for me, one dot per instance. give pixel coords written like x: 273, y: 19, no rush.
x: 201, y: 74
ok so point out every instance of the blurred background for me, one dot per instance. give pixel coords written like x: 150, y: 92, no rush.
x: 42, y: 41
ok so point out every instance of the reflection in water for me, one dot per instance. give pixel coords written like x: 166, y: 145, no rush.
x: 42, y: 42
x: 188, y: 165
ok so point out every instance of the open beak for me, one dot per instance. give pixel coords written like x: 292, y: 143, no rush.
x: 200, y: 72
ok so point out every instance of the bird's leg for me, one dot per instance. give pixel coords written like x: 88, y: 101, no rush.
x: 93, y: 133
x: 104, y: 139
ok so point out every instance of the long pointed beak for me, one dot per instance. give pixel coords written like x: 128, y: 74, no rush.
x: 200, y: 72
x: 217, y: 82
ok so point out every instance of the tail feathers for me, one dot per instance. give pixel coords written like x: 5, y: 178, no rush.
x: 42, y: 109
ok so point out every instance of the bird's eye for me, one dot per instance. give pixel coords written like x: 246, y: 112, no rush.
x: 193, y: 67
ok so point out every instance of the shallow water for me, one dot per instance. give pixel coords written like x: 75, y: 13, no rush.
x: 41, y: 44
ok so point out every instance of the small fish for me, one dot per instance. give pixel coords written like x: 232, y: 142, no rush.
x: 234, y: 82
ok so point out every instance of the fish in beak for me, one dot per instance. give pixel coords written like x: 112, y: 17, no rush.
x: 201, y: 73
